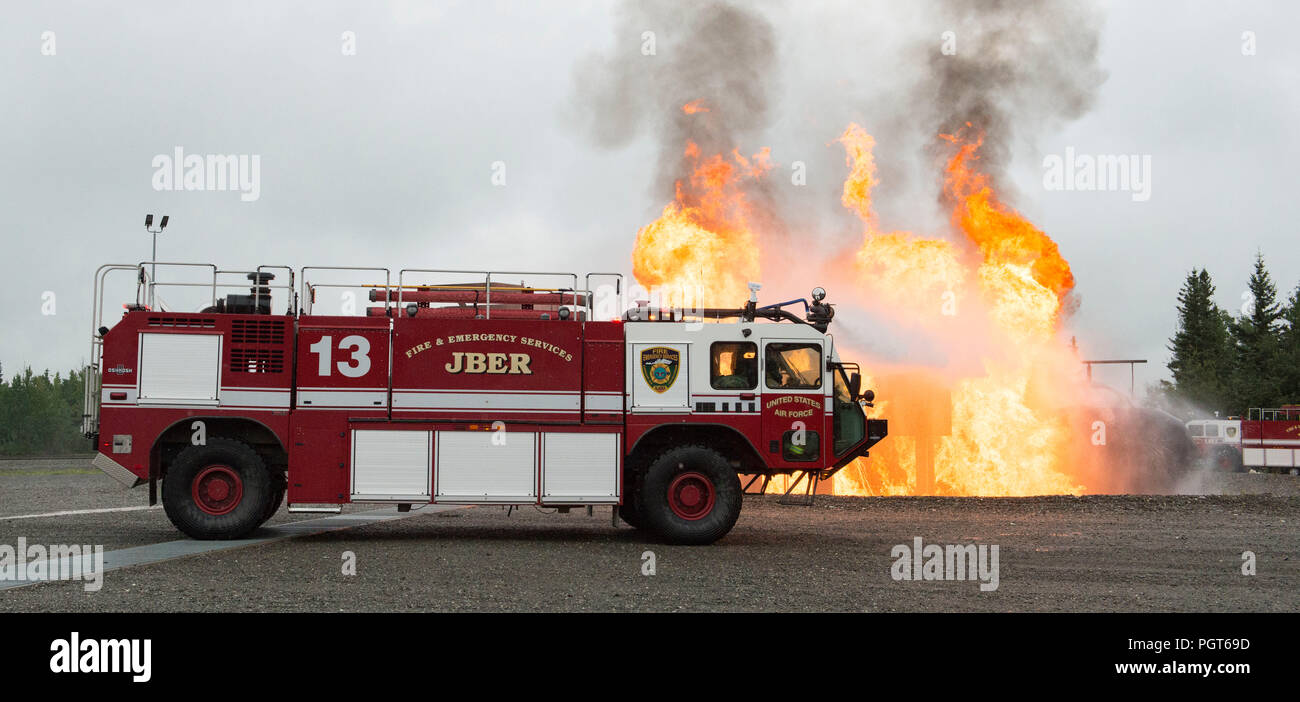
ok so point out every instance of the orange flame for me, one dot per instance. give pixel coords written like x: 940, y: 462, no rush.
x: 702, y: 250
x: 985, y: 423
x: 897, y: 265
x: 694, y: 106
x: 1000, y: 437
x: 1001, y: 233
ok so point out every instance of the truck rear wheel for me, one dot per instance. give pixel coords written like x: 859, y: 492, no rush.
x: 630, y: 510
x: 691, y: 495
x: 278, y: 486
x: 220, y: 490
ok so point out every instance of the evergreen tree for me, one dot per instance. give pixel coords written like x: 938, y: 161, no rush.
x: 41, y: 414
x: 1200, y: 360
x: 1289, y: 351
x: 1256, y: 337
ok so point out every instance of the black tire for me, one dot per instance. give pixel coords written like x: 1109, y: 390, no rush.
x: 630, y: 511
x: 278, y: 485
x: 1228, y: 460
x: 236, y: 491
x: 689, y: 472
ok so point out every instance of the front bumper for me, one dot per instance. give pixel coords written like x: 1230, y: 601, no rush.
x: 877, y: 430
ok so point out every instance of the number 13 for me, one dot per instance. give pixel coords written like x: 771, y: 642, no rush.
x: 359, y: 364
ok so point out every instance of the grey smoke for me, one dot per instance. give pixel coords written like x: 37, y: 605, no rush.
x: 716, y: 52
x: 1020, y: 70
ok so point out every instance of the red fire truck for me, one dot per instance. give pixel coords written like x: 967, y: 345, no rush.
x: 478, y: 393
x: 1268, y: 440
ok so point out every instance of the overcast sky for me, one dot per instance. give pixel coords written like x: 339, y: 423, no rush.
x: 386, y: 157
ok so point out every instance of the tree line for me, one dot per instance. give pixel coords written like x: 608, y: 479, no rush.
x: 1226, y: 363
x: 40, y: 415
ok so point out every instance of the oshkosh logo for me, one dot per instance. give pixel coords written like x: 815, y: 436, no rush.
x: 497, y: 363
x: 119, y: 369
x: 73, y: 655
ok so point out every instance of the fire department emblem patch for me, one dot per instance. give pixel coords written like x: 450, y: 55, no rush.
x: 659, y: 365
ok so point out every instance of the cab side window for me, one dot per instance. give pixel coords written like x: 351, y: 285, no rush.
x: 794, y: 366
x: 733, y: 365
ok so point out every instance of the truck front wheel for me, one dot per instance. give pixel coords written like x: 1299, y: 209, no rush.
x: 691, y: 495
x: 220, y: 490
x: 1229, y: 460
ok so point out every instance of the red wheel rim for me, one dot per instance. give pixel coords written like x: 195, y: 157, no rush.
x: 691, y: 496
x: 217, y: 490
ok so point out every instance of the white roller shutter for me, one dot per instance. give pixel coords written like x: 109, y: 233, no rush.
x: 580, y: 468
x: 391, y: 465
x: 472, y: 467
x: 180, y: 367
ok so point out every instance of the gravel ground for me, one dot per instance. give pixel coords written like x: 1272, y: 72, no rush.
x: 1095, y: 553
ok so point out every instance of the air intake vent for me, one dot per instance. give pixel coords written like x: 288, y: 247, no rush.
x: 183, y: 322
x: 256, y: 331
x: 256, y: 360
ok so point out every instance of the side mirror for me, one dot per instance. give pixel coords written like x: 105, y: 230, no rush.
x: 855, y: 385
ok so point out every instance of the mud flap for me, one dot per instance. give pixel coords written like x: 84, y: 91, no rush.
x: 116, y: 471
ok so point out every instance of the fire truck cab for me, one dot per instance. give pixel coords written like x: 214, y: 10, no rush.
x: 1267, y: 440
x: 1219, y: 442
x: 476, y: 393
